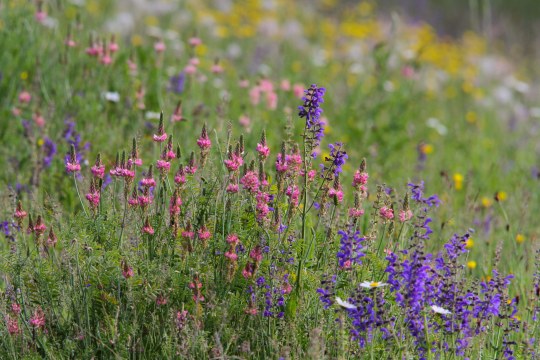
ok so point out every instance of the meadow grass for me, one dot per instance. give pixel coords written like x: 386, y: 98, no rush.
x: 176, y: 187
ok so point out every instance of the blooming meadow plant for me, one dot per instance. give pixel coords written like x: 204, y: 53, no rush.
x: 225, y: 224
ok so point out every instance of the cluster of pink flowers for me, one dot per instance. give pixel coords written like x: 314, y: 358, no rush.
x: 233, y: 241
x: 250, y: 181
x: 294, y: 194
x: 196, y: 287
x: 255, y: 256
x: 386, y: 212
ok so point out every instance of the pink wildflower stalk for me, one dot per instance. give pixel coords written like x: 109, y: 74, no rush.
x: 98, y: 170
x: 196, y: 287
x: 180, y: 176
x: 72, y: 164
x: 127, y: 271
x: 204, y: 144
x: 38, y: 319
x: 191, y: 167
x: 134, y: 159
x: 148, y: 180
x: 386, y: 212
x: 161, y: 136
x: 250, y: 181
x: 52, y: 239
x: 20, y: 214
x: 262, y: 147
x: 147, y: 228
x: 177, y: 114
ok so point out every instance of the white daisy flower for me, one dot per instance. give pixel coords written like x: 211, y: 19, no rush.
x: 345, y: 304
x: 112, y: 96
x: 372, y: 284
x: 151, y: 115
x: 440, y: 310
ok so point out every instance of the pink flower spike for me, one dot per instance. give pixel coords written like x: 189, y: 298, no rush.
x: 160, y: 47
x: 25, y: 97
x: 405, y: 215
x: 195, y: 41
x: 40, y: 16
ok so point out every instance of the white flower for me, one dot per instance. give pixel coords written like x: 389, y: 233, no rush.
x: 345, y: 304
x: 440, y: 310
x: 151, y: 115
x: 372, y: 284
x: 112, y: 96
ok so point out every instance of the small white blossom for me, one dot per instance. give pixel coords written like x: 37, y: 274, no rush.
x: 345, y: 304
x: 372, y: 284
x: 112, y: 96
x: 440, y: 310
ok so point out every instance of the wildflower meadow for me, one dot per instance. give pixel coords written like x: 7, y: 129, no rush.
x: 263, y: 179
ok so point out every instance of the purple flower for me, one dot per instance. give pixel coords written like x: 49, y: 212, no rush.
x: 311, y: 111
x: 49, y: 150
x: 350, y: 250
x: 337, y: 157
x: 177, y: 82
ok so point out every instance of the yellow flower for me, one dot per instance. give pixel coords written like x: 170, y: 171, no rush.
x: 471, y: 117
x: 471, y: 265
x: 520, y: 238
x: 458, y: 181
x: 469, y: 243
x: 365, y: 8
x: 40, y: 142
x: 426, y: 149
x: 136, y: 40
x: 486, y: 202
x: 501, y: 196
x: 24, y: 75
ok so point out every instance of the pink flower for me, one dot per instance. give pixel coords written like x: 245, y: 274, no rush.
x: 106, y: 59
x: 148, y: 230
x: 337, y: 193
x: 38, y: 119
x: 405, y: 215
x: 232, y: 188
x: 160, y: 138
x: 38, y: 319
x: 250, y: 181
x: 203, y: 141
x: 73, y: 167
x: 216, y: 69
x: 160, y: 47
x: 148, y: 182
x: 188, y: 234
x: 195, y: 41
x: 281, y: 164
x: 294, y: 194
x: 40, y: 16
x: 231, y: 256
x: 386, y: 213
x: 232, y: 239
x: 263, y: 150
x: 298, y: 90
x: 271, y: 100
x: 255, y: 95
x: 175, y: 203
x: 407, y: 72
x: 256, y: 253
x: 204, y: 234
x: 234, y: 162
x: 163, y: 165
x: 287, y: 288
x: 16, y: 308
x: 127, y: 271
x: 244, y: 120
x: 93, y: 198
x: 190, y: 69
x: 360, y: 178
x: 161, y: 300
x: 25, y: 97
x: 98, y: 171
x: 285, y: 85
x: 13, y: 326
x: 70, y: 42
x: 354, y: 213
x: 243, y: 83
x: 194, y: 61
x: 113, y: 47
